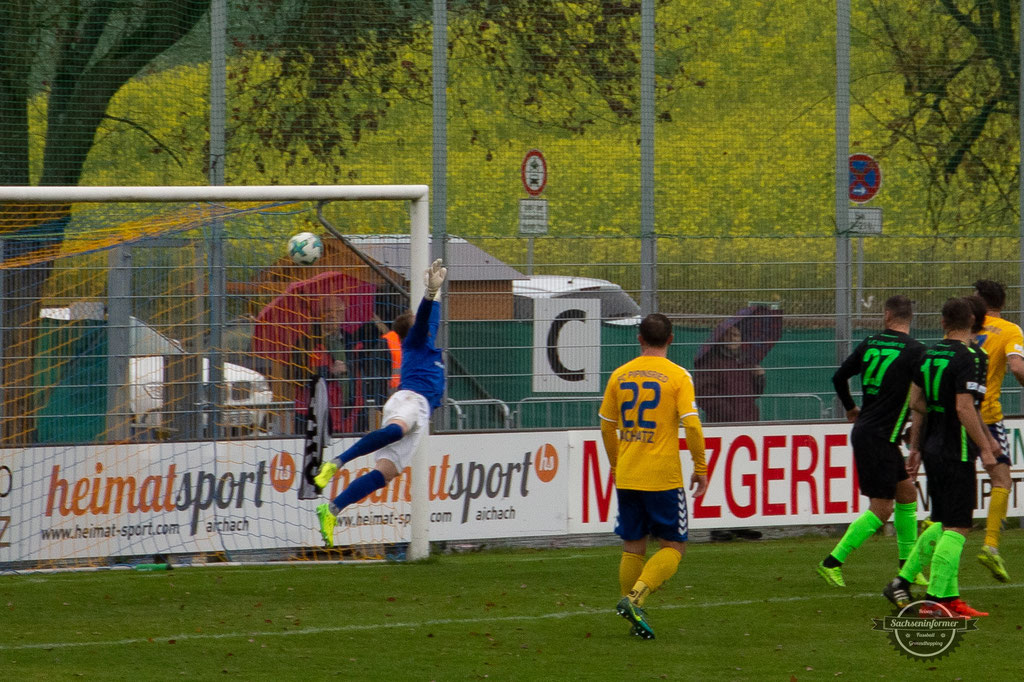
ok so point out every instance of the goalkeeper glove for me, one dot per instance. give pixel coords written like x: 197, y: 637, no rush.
x: 434, y: 278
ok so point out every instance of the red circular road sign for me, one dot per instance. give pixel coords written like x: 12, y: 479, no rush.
x: 865, y: 178
x: 534, y: 172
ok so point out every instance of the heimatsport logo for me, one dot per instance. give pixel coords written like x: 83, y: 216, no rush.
x: 197, y: 491
x: 472, y: 480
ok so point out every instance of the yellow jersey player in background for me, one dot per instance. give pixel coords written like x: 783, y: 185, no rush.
x: 644, y: 403
x: 1004, y: 343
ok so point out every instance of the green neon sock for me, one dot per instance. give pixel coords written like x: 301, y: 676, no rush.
x: 945, y: 572
x: 921, y: 554
x: 904, y: 519
x: 860, y: 530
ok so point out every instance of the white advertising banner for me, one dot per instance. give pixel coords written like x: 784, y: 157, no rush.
x: 142, y: 499
x: 498, y: 485
x: 780, y: 475
x: 480, y: 486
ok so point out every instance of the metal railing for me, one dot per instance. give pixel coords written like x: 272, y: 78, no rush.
x: 468, y: 415
x: 786, y: 407
x: 556, y: 412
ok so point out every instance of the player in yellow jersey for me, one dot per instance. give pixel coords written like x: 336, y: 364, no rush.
x: 644, y: 403
x: 1004, y: 343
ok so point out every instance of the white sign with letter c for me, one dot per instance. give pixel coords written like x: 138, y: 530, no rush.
x: 566, y: 345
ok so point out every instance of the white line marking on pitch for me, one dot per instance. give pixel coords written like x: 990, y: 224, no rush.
x: 448, y: 621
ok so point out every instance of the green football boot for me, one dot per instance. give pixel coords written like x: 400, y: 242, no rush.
x: 327, y: 470
x: 833, y: 576
x: 327, y: 521
x: 991, y: 560
x: 635, y: 615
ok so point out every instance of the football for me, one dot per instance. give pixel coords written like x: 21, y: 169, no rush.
x: 305, y: 248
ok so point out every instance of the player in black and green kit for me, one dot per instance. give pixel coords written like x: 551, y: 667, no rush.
x: 946, y: 435
x: 885, y: 363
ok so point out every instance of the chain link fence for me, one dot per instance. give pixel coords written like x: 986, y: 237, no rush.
x: 689, y: 167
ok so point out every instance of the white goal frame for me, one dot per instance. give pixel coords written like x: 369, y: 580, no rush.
x: 419, y: 214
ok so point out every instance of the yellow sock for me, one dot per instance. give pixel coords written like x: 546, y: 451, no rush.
x: 997, y: 504
x: 657, y: 570
x: 629, y: 571
x: 639, y: 593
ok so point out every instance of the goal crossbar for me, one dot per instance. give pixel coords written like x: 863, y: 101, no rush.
x: 56, y: 194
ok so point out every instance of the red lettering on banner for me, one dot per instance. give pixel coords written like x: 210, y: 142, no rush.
x: 110, y: 494
x: 712, y: 446
x: 79, y: 494
x: 769, y: 474
x: 856, y: 487
x: 603, y: 498
x: 830, y: 472
x: 57, y: 486
x: 439, y: 493
x: 94, y: 500
x: 169, y: 487
x: 748, y: 480
x: 149, y: 494
x: 401, y: 487
x: 803, y: 475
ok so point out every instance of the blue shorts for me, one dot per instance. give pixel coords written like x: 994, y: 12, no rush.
x: 661, y: 513
x: 998, y: 432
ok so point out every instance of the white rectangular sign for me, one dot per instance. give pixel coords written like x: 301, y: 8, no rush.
x: 566, y: 345
x: 865, y: 220
x: 533, y: 216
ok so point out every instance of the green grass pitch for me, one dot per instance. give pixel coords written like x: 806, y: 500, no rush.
x: 734, y: 611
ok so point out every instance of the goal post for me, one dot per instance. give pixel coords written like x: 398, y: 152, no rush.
x: 61, y: 268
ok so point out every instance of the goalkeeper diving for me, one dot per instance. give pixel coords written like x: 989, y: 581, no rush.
x: 406, y: 414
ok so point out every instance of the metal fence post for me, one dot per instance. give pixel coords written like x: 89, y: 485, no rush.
x: 648, y: 243
x: 215, y: 387
x: 842, y: 181
x: 118, y: 342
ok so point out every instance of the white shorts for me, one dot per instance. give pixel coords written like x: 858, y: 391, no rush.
x: 412, y: 409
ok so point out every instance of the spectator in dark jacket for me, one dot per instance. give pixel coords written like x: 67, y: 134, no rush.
x: 727, y: 382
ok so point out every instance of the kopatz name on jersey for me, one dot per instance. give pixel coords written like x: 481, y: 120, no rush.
x: 636, y: 436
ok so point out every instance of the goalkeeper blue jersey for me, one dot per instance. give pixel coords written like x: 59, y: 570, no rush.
x: 422, y: 363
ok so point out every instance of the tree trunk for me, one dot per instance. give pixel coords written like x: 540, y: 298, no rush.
x: 94, y: 57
